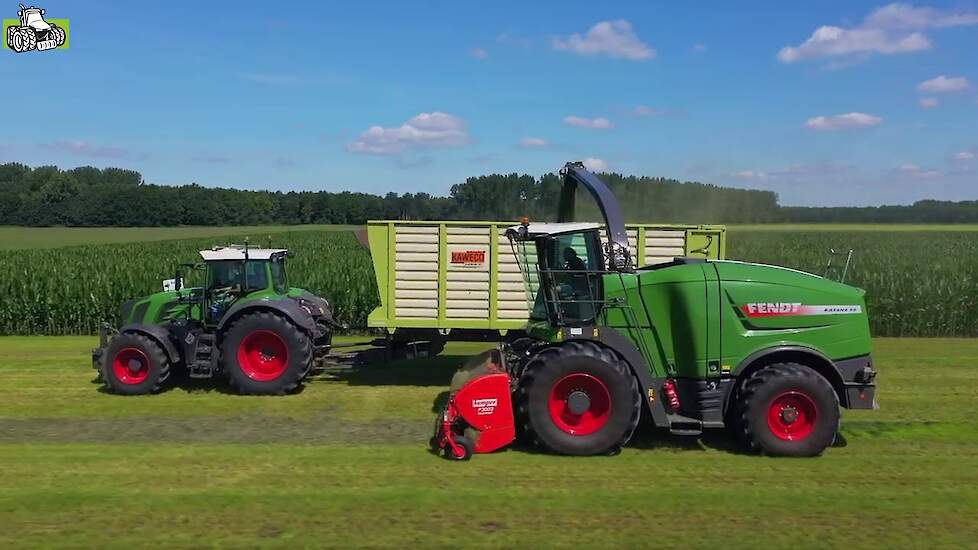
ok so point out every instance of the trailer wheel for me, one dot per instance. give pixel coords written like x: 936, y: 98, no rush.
x: 263, y: 353
x: 787, y: 409
x: 134, y: 364
x: 578, y: 398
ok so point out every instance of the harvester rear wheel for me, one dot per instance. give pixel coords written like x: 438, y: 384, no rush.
x: 788, y: 409
x: 578, y: 398
x: 134, y: 364
x: 263, y: 353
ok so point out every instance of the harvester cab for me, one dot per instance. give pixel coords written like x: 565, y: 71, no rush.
x: 243, y: 321
x: 766, y: 352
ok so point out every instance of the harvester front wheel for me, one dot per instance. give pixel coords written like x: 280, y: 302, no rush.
x: 264, y: 353
x: 134, y: 364
x: 23, y: 40
x: 578, y: 398
x: 788, y: 409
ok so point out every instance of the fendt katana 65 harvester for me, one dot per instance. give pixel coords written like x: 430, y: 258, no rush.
x: 767, y: 352
x: 245, y: 322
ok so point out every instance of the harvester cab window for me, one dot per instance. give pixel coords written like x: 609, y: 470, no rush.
x: 573, y: 266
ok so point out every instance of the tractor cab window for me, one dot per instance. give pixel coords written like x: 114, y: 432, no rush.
x: 278, y: 275
x: 231, y: 274
x: 571, y: 267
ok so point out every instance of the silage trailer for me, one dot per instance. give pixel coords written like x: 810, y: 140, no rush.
x: 459, y: 280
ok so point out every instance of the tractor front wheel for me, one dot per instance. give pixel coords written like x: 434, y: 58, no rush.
x: 578, y: 398
x: 134, y: 364
x: 263, y: 353
x: 788, y: 409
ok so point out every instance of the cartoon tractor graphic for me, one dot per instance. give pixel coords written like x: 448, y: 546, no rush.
x: 34, y: 33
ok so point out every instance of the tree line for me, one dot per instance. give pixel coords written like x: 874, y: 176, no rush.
x: 87, y: 196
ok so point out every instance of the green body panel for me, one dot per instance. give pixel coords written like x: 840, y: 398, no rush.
x: 690, y: 320
x: 163, y: 307
x: 703, y: 241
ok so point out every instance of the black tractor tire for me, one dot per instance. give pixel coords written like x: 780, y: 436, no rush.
x: 59, y: 35
x: 265, y: 354
x: 24, y: 40
x: 134, y: 364
x: 787, y: 409
x: 615, y: 397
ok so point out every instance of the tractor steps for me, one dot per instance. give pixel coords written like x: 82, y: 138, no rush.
x: 203, y: 363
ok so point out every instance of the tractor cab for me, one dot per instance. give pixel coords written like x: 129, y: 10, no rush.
x: 235, y: 272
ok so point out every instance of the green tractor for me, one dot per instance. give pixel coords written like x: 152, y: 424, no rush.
x: 767, y: 352
x: 245, y: 322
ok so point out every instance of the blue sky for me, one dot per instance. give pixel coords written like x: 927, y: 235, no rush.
x: 826, y: 103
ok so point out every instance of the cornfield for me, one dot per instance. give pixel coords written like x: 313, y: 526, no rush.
x: 918, y: 284
x: 73, y: 290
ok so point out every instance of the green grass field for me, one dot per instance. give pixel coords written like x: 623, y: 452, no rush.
x: 19, y: 238
x: 345, y: 463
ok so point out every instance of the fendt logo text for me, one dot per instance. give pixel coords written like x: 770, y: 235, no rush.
x: 32, y: 32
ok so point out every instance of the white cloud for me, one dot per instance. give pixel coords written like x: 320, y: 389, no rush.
x: 87, y: 149
x: 830, y: 41
x: 963, y: 156
x: 479, y: 53
x: 644, y: 110
x: 425, y: 130
x: 533, y: 143
x: 611, y: 38
x: 599, y: 122
x: 901, y: 16
x: 915, y: 171
x: 699, y: 47
x: 892, y: 29
x: 943, y: 85
x: 271, y: 78
x: 929, y: 102
x: 750, y: 175
x: 843, y: 122
x: 595, y: 164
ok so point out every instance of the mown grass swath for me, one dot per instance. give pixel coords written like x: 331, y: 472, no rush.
x: 918, y: 284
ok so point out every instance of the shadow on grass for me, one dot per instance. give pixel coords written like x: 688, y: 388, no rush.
x: 180, y: 380
x: 428, y: 371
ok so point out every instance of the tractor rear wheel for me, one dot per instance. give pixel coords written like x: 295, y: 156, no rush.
x: 578, y: 398
x: 788, y: 409
x: 134, y: 364
x: 263, y: 353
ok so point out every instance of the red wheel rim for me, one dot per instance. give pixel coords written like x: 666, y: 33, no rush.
x: 263, y: 355
x: 792, y: 416
x: 598, y: 404
x: 131, y: 366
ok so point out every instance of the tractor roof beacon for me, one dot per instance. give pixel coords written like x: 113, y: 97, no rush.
x: 767, y: 352
x: 243, y: 321
x: 34, y: 33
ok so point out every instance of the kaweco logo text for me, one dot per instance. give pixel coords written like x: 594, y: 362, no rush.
x: 31, y: 31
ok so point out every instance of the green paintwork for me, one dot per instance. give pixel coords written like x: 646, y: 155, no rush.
x: 686, y: 318
x: 164, y: 307
x: 705, y: 241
